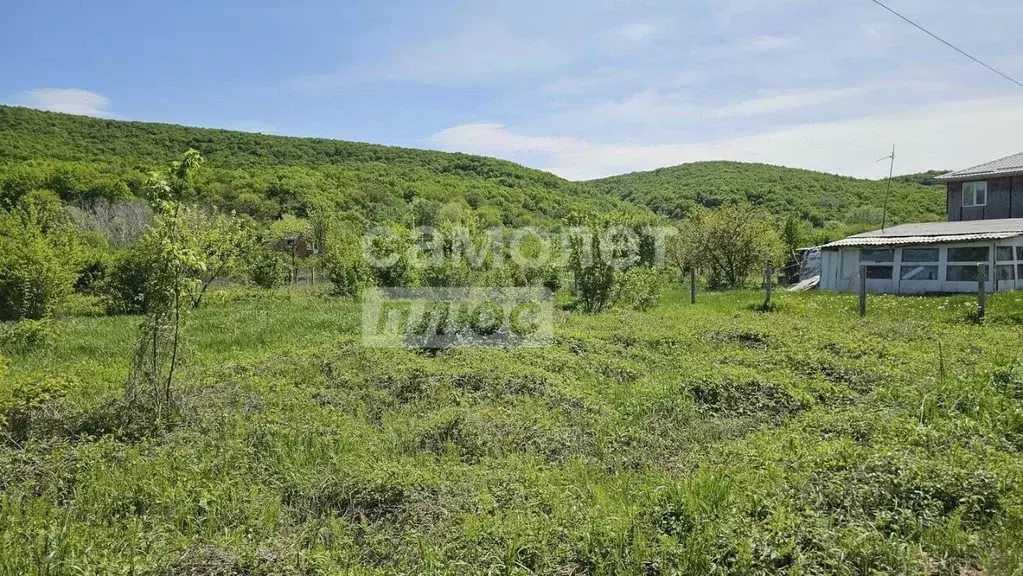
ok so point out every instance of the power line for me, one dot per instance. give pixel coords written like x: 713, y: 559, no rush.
x: 949, y: 44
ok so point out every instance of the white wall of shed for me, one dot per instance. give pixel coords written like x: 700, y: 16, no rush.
x: 840, y: 270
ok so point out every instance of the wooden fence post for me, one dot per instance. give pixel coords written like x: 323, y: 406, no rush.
x: 863, y: 290
x: 692, y: 285
x: 981, y: 290
x: 768, y: 285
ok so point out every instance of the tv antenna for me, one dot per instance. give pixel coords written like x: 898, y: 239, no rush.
x: 891, y: 172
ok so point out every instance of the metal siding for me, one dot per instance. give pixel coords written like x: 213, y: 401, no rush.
x: 998, y: 190
x: 955, y: 201
x: 1017, y: 197
x: 974, y: 213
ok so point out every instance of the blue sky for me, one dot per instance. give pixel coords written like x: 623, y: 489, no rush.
x: 580, y: 88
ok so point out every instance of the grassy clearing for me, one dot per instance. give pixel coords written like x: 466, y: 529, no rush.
x: 689, y: 439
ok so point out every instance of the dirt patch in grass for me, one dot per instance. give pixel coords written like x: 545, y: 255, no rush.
x: 744, y: 338
x: 743, y: 398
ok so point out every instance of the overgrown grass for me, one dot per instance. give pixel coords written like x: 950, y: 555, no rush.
x: 688, y: 439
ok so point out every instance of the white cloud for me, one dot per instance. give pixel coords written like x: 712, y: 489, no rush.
x: 768, y: 43
x: 634, y: 34
x: 786, y: 101
x: 481, y: 53
x: 931, y: 137
x: 69, y: 100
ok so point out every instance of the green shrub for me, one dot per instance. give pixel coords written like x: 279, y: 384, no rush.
x: 91, y: 275
x: 128, y: 284
x: 447, y: 274
x: 268, y: 268
x: 34, y: 276
x: 641, y: 288
x: 388, y: 250
x: 21, y: 396
x: 26, y: 335
x: 344, y: 265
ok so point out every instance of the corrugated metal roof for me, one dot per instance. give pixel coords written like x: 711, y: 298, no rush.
x: 936, y: 233
x: 854, y: 241
x: 1010, y: 165
x: 949, y: 228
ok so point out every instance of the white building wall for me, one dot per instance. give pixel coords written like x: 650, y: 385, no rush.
x: 840, y: 270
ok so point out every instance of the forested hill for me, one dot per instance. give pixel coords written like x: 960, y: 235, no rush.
x: 265, y: 176
x: 825, y: 200
x: 82, y: 158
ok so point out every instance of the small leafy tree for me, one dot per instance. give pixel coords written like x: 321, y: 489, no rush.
x: 731, y: 243
x: 172, y: 269
x: 288, y: 234
x: 594, y: 274
x: 168, y: 293
x: 219, y: 241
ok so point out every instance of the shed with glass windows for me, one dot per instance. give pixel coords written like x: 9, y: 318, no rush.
x: 938, y: 257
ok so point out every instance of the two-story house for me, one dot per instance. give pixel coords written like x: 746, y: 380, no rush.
x: 983, y: 234
x: 987, y: 192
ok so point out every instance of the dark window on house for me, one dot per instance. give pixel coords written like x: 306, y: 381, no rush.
x: 1019, y: 271
x: 974, y: 194
x: 1019, y: 252
x: 1005, y: 272
x: 1004, y: 253
x: 919, y: 272
x: 967, y: 254
x: 961, y: 274
x: 877, y: 255
x: 879, y: 272
x: 920, y: 255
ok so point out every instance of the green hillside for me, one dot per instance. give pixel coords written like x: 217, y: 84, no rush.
x: 265, y: 176
x: 822, y: 199
x: 82, y: 158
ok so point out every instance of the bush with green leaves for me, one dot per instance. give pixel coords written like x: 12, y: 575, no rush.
x: 127, y: 287
x: 35, y: 274
x: 641, y: 287
x: 387, y: 250
x: 27, y: 335
x: 344, y: 264
x: 268, y: 268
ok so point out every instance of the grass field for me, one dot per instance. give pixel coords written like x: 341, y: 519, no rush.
x: 689, y: 439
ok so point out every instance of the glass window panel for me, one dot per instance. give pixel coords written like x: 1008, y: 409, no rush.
x: 879, y: 272
x: 1019, y: 271
x: 967, y: 254
x: 920, y: 255
x: 980, y: 197
x: 1004, y: 253
x: 961, y: 274
x: 919, y: 272
x: 877, y: 255
x: 968, y: 194
x: 1005, y: 272
x: 1019, y: 252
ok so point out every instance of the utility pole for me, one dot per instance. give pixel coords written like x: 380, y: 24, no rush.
x: 891, y: 172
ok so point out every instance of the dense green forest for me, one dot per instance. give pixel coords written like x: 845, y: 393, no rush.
x: 824, y: 200
x: 84, y: 158
x: 265, y: 176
